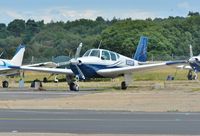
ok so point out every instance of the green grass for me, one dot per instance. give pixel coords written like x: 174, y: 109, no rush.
x: 195, y: 90
x: 160, y: 74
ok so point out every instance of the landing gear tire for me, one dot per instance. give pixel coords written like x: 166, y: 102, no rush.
x: 73, y: 87
x: 45, y: 80
x: 5, y: 84
x: 123, y: 85
x: 189, y: 76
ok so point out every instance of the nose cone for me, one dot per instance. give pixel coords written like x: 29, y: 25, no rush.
x: 192, y: 60
x: 75, y: 61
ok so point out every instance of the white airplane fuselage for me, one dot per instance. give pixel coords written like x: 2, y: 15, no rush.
x: 90, y: 64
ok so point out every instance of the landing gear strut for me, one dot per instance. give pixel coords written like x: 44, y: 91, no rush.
x: 127, y: 81
x: 123, y: 85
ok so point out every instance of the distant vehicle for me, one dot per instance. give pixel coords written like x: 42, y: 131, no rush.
x: 193, y: 67
x: 8, y: 67
x: 101, y: 63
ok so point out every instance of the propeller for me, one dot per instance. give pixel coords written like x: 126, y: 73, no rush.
x: 192, y: 59
x: 1, y: 53
x: 74, y: 61
x: 78, y: 50
x: 191, y: 52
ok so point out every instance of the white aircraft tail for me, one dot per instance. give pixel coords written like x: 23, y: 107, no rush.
x: 18, y: 57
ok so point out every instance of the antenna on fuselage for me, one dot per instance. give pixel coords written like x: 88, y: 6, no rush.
x: 99, y: 44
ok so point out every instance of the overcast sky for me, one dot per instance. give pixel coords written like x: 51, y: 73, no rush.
x: 64, y: 10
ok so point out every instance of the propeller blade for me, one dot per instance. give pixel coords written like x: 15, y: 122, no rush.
x: 80, y: 72
x: 1, y: 53
x: 191, y: 52
x: 78, y: 50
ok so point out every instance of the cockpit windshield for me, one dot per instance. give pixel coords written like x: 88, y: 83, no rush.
x: 94, y: 53
x: 103, y: 54
x: 87, y: 53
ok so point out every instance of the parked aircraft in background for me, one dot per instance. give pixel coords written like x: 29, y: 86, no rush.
x: 101, y: 63
x: 193, y: 67
x: 16, y: 61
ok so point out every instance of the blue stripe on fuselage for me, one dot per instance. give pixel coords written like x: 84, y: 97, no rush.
x: 89, y: 70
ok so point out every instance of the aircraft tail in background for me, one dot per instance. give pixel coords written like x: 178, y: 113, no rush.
x: 141, y: 51
x: 18, y: 57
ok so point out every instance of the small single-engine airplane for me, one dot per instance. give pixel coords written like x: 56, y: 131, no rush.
x: 101, y: 63
x: 194, y: 65
x: 16, y: 61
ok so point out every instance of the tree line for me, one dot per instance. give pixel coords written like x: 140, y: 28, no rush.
x: 167, y: 36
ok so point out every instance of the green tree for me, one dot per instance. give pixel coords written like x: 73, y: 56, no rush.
x: 17, y: 27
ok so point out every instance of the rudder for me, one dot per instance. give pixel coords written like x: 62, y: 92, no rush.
x: 141, y: 51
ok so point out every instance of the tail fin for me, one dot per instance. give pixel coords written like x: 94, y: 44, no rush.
x: 141, y: 52
x: 18, y: 57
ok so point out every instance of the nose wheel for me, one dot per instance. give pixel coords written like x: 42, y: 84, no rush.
x: 73, y: 86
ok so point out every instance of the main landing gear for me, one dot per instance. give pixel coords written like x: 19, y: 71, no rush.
x: 73, y: 82
x: 127, y: 81
x: 123, y: 85
x: 5, y: 84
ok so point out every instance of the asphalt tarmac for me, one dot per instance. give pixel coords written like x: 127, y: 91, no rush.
x: 98, y: 122
x: 23, y: 94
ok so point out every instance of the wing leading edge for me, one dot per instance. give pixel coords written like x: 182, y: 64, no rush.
x: 113, y: 72
x: 48, y: 70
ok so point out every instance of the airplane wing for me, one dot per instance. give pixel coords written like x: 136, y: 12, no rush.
x: 8, y: 72
x: 113, y: 72
x: 43, y: 64
x: 48, y: 70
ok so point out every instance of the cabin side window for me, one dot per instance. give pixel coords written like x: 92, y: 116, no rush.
x: 113, y: 56
x: 105, y: 55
